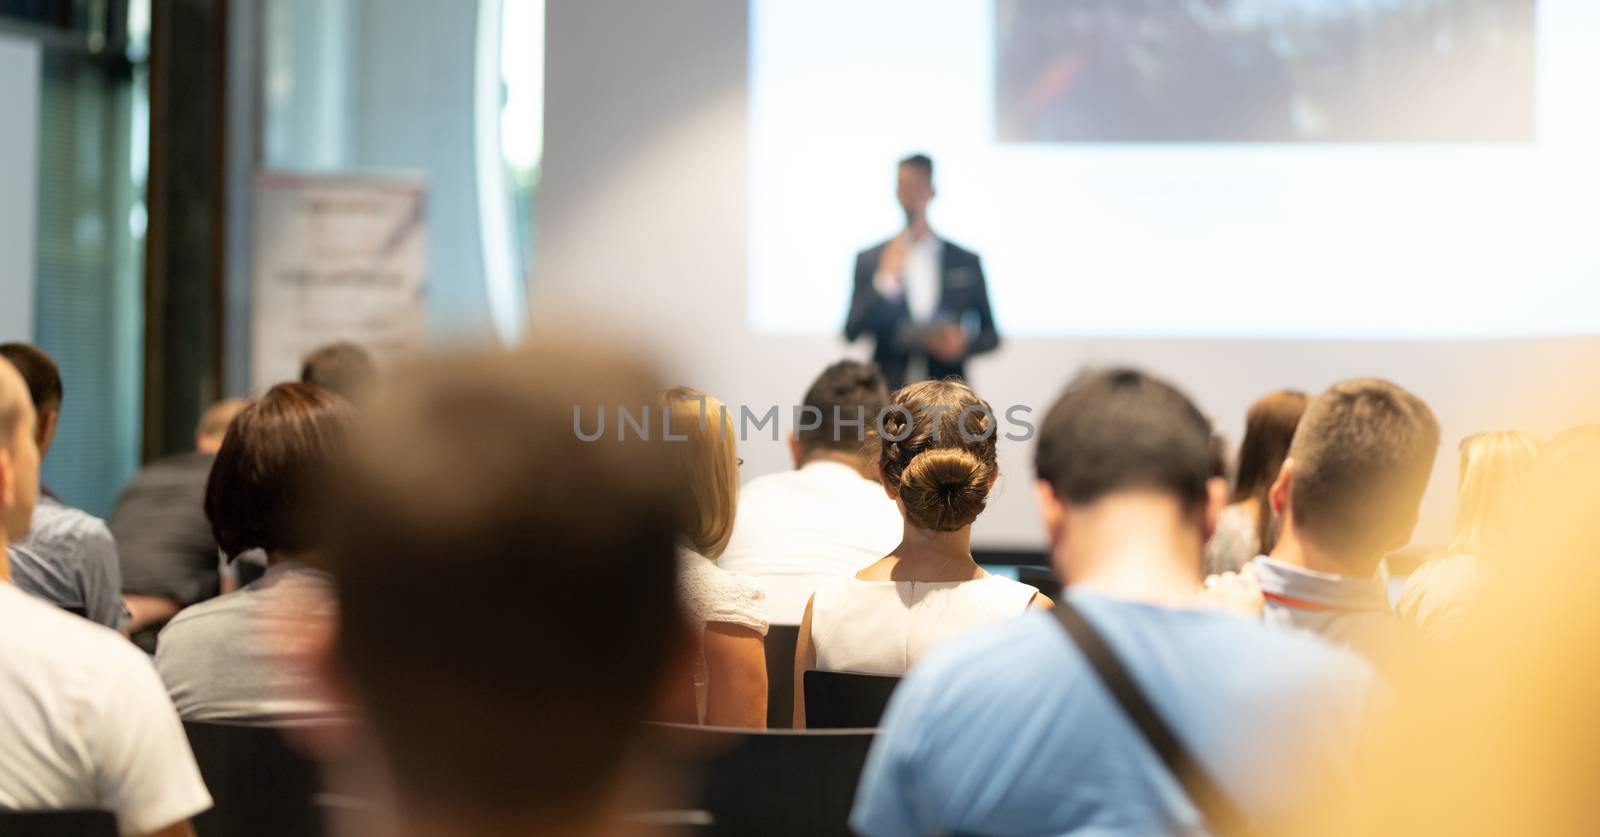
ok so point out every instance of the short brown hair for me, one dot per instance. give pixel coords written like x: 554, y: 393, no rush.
x: 344, y: 368
x: 845, y: 393
x: 937, y: 448
x: 40, y: 372
x: 1362, y: 455
x: 272, y: 470
x: 507, y: 590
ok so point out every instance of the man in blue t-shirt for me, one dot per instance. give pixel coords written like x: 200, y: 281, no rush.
x: 1007, y: 730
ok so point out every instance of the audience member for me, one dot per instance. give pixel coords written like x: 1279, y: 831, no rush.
x: 84, y: 722
x: 1561, y: 524
x: 725, y: 608
x: 1244, y: 528
x: 1219, y: 456
x: 1346, y: 496
x: 69, y: 557
x: 343, y: 368
x: 169, y: 556
x: 1498, y: 733
x: 1490, y: 502
x: 936, y: 451
x: 264, y: 493
x: 1009, y: 729
x: 828, y: 517
x: 507, y: 607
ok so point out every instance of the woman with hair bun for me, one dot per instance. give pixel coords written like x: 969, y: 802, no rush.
x: 936, y: 453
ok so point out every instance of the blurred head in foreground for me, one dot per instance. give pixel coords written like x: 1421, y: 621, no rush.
x: 506, y: 591
x: 1499, y: 733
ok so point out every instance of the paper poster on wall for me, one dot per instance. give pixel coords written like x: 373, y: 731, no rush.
x: 337, y: 257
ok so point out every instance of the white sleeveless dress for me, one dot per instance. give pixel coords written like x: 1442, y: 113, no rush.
x: 884, y: 627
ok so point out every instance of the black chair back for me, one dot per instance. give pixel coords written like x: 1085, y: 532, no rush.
x: 845, y: 700
x: 260, y: 786
x: 781, y: 640
x: 247, y: 571
x: 57, y: 824
x: 1042, y: 579
x: 776, y: 783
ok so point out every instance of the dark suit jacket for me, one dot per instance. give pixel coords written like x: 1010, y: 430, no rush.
x: 963, y: 293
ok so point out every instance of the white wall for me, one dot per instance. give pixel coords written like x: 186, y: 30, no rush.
x: 388, y: 86
x: 19, y: 176
x: 642, y: 220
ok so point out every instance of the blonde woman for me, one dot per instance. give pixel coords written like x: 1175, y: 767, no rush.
x: 726, y: 608
x: 936, y: 455
x: 1495, y: 469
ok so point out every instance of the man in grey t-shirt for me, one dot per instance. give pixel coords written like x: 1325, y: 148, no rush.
x: 220, y: 658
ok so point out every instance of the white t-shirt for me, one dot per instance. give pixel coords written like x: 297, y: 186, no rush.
x: 221, y: 663
x: 86, y: 724
x: 800, y: 529
x: 884, y: 627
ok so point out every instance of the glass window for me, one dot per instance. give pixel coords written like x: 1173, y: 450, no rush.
x: 88, y: 294
x: 522, y: 115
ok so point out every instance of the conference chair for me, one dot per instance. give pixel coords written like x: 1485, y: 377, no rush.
x: 1010, y: 557
x: 845, y: 700
x: 57, y: 824
x: 260, y: 786
x: 1042, y: 579
x: 781, y: 640
x: 778, y: 783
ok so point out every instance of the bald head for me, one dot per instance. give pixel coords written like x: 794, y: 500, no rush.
x: 214, y: 424
x: 14, y: 403
x: 19, y: 459
x: 42, y: 379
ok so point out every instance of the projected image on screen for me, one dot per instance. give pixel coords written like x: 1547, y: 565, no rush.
x: 1264, y: 70
x: 1189, y: 169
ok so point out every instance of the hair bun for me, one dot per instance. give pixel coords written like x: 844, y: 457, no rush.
x: 944, y: 488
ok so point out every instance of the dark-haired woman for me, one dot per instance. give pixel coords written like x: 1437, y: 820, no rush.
x: 1244, y: 529
x: 936, y: 454
x: 217, y: 658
